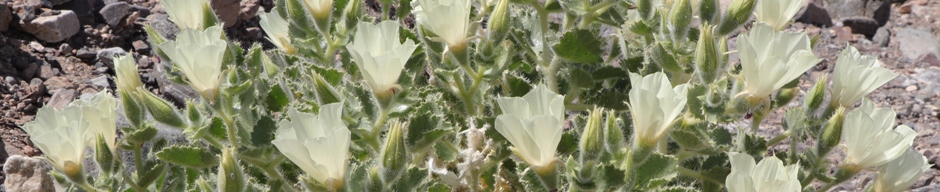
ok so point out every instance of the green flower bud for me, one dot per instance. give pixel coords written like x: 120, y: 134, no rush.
x: 739, y: 12
x: 831, y: 134
x: 591, y: 144
x: 785, y: 95
x: 707, y: 58
x: 679, y: 17
x: 498, y: 25
x: 160, y: 109
x: 613, y: 134
x: 230, y: 174
x: 352, y: 12
x: 132, y: 109
x: 708, y: 11
x: 104, y: 156
x: 815, y: 97
x: 394, y: 153
x: 645, y: 8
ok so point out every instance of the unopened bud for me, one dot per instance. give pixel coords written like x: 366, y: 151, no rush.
x: 708, y: 11
x: 394, y: 153
x: 679, y: 17
x: 831, y: 134
x: 352, y: 13
x: 498, y: 25
x: 591, y: 144
x: 613, y: 133
x: 785, y: 95
x: 707, y: 56
x: 739, y: 12
x: 645, y: 8
x: 230, y: 174
x: 160, y: 109
x: 132, y: 109
x: 815, y: 97
x: 104, y: 156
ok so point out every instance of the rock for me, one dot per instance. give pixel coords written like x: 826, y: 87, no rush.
x: 45, y: 71
x: 85, y: 10
x: 36, y: 89
x: 101, y: 82
x: 61, y: 99
x: 162, y: 24
x: 105, y: 55
x: 30, y: 71
x: 227, y: 10
x: 54, y: 84
x: 51, y: 3
x: 906, y: 7
x: 882, y: 37
x: 929, y: 60
x: 879, y: 10
x: 27, y: 174
x: 249, y: 9
x: 85, y: 54
x: 10, y: 80
x: 54, y: 28
x: 5, y: 17
x: 843, y: 34
x: 915, y: 43
x: 115, y: 12
x: 862, y: 25
x: 25, y: 12
x: 927, y: 188
x: 816, y: 15
x: 141, y: 46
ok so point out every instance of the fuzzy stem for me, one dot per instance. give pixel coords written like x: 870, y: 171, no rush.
x: 778, y: 138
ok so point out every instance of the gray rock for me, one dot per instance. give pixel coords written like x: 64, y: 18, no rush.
x: 27, y: 174
x: 5, y: 17
x: 915, y: 43
x: 85, y: 10
x: 929, y: 60
x: 101, y: 82
x: 61, y: 99
x: 928, y: 188
x: 816, y: 15
x: 176, y: 93
x: 114, y: 13
x: 141, y: 46
x: 45, y: 71
x: 10, y: 80
x: 105, y: 55
x: 879, y: 10
x: 54, y: 28
x: 882, y: 37
x: 51, y: 3
x: 162, y: 24
x: 85, y: 54
x: 25, y: 12
x: 36, y: 89
x: 227, y: 10
x: 862, y: 25
x: 30, y: 71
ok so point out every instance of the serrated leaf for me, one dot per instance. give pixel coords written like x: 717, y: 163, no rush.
x: 152, y: 175
x: 608, y: 72
x: 517, y: 86
x: 755, y: 145
x: 277, y: 99
x: 676, y: 189
x: 445, y: 153
x: 192, y: 157
x: 531, y: 182
x: 142, y: 135
x: 263, y: 132
x: 358, y: 179
x: 217, y: 128
x: 411, y: 180
x: 657, y: 170
x: 689, y: 140
x: 568, y: 144
x: 579, y: 46
x: 611, y: 177
x: 439, y: 187
x: 579, y: 77
x: 721, y: 136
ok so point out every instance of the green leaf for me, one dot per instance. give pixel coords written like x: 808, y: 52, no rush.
x: 755, y: 145
x: 677, y: 189
x: 721, y: 136
x: 192, y: 157
x: 612, y: 177
x: 657, y: 170
x: 689, y: 140
x: 568, y: 144
x: 439, y: 187
x: 263, y: 131
x: 217, y: 128
x: 142, y: 135
x: 664, y: 58
x: 277, y: 99
x: 411, y: 180
x: 517, y: 86
x: 580, y: 46
x: 445, y: 153
x: 608, y: 72
x: 152, y: 175
x: 580, y: 78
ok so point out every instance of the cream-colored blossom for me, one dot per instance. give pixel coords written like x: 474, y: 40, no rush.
x: 771, y: 59
x: 379, y: 54
x: 654, y: 104
x: 318, y: 144
x: 199, y: 55
x: 101, y: 114
x: 533, y: 124
x: 900, y: 174
x: 869, y: 138
x: 126, y: 75
x: 186, y: 13
x: 770, y: 175
x: 448, y: 19
x: 278, y: 31
x: 856, y: 75
x: 777, y: 13
x: 62, y: 135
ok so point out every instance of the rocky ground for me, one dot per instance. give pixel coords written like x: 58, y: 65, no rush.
x: 55, y: 51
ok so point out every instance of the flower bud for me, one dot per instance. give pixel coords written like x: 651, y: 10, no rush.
x: 739, y: 12
x: 160, y: 109
x: 708, y: 11
x: 230, y: 173
x: 591, y: 144
x: 394, y: 153
x: 104, y: 156
x: 352, y: 12
x: 613, y: 134
x: 645, y: 8
x: 498, y: 24
x: 831, y: 134
x: 679, y: 17
x: 663, y: 58
x: 785, y: 95
x: 133, y: 110
x: 707, y: 58
x: 815, y: 97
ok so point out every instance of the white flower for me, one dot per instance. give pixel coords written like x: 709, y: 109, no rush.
x: 770, y: 175
x: 186, y: 13
x: 533, y: 124
x: 198, y: 54
x: 900, y: 174
x: 101, y: 115
x: 62, y: 135
x: 448, y: 19
x: 126, y: 74
x: 319, y: 8
x: 869, y: 139
x: 655, y: 104
x: 318, y: 144
x: 379, y: 54
x: 777, y: 13
x: 857, y: 75
x: 277, y: 29
x: 771, y: 59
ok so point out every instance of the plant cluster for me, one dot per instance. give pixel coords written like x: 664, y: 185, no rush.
x: 489, y: 95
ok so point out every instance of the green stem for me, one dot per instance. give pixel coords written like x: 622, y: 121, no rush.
x: 230, y: 128
x: 550, y: 74
x: 756, y: 119
x: 573, y: 106
x: 138, y: 161
x: 380, y: 121
x: 781, y: 137
x: 465, y: 95
x: 88, y: 187
x: 385, y: 11
x: 212, y: 141
x: 273, y: 173
x: 695, y: 174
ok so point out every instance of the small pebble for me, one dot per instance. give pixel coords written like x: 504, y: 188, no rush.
x: 911, y: 88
